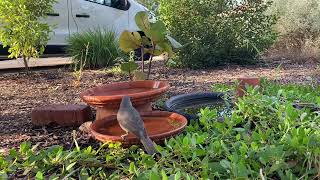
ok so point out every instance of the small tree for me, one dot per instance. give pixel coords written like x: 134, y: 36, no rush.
x: 156, y: 41
x: 21, y: 29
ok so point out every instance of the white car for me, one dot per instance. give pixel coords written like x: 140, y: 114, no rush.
x: 70, y: 16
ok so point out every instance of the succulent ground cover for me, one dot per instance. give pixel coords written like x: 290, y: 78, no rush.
x: 273, y: 133
x: 21, y: 93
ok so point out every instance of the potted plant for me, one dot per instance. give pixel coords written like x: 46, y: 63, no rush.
x: 107, y: 98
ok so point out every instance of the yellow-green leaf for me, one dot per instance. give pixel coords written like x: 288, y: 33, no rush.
x: 128, y: 42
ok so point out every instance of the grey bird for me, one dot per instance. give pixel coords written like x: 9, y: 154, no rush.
x: 131, y: 122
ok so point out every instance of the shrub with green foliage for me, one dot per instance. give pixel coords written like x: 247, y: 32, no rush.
x: 21, y: 28
x: 299, y: 26
x: 265, y: 137
x: 151, y: 5
x: 100, y: 47
x: 219, y: 31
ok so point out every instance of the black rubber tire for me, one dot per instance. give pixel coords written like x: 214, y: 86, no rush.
x: 179, y: 100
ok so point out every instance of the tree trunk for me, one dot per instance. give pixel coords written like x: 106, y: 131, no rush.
x: 150, y: 60
x: 150, y: 63
x: 142, y: 58
x: 26, y: 64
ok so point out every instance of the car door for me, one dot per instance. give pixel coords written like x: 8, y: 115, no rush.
x: 90, y: 14
x: 59, y: 19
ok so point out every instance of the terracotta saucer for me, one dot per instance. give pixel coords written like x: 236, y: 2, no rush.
x: 107, y: 98
x: 159, y: 125
x: 110, y: 95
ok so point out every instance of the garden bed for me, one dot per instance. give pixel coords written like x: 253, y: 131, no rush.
x: 21, y: 93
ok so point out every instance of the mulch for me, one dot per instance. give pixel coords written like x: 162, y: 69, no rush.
x: 20, y: 93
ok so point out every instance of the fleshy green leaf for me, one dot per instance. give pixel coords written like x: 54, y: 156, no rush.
x: 39, y: 176
x: 154, y: 176
x: 70, y: 166
x: 226, y: 164
x: 132, y: 168
x: 164, y: 175
x: 177, y: 176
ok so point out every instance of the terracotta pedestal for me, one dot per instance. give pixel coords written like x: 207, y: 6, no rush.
x: 107, y: 98
x: 103, y: 112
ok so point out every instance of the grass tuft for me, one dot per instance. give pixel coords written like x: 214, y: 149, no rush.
x: 103, y: 48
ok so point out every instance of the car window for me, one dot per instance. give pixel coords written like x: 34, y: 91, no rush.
x: 103, y: 2
x: 118, y: 4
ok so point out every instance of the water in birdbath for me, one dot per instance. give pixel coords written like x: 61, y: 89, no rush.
x: 193, y: 108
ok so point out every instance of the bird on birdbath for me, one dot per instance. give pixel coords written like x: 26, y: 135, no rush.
x: 131, y: 122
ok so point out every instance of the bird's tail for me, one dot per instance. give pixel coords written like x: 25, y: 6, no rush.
x: 148, y: 145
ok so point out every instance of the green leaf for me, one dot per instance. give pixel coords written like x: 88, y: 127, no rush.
x: 242, y: 171
x: 157, y: 32
x: 137, y: 36
x: 174, y: 43
x: 277, y: 166
x: 27, y: 171
x: 54, y: 177
x: 254, y: 146
x: 129, y: 67
x: 164, y: 175
x: 132, y: 168
x: 165, y: 47
x: 226, y: 164
x: 25, y: 147
x: 177, y: 176
x: 129, y: 42
x: 142, y: 21
x: 139, y: 76
x: 3, y: 176
x: 84, y: 175
x: 70, y: 166
x: 155, y: 52
x: 238, y: 137
x: 146, y: 41
x: 303, y: 116
x: 216, y: 167
x: 39, y: 176
x: 154, y: 176
x: 239, y: 129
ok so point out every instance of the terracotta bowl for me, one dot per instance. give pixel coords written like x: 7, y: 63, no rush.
x: 252, y: 81
x: 159, y: 125
x: 110, y: 95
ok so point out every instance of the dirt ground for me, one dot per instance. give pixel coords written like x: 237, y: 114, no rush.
x: 20, y: 93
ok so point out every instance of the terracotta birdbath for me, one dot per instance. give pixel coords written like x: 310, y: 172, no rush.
x: 107, y: 98
x: 159, y: 125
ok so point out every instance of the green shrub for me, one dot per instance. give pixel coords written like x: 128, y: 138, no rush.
x: 218, y: 31
x: 299, y: 26
x: 99, y: 45
x: 151, y: 5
